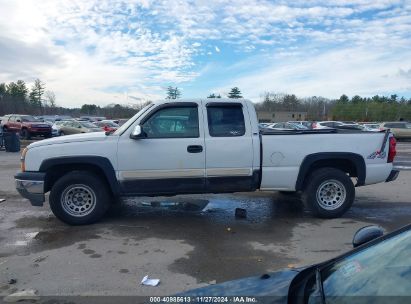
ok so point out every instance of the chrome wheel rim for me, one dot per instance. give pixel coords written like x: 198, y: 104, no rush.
x: 78, y: 200
x: 331, y: 194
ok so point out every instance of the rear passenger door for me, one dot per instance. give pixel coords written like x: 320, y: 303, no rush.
x: 229, y: 148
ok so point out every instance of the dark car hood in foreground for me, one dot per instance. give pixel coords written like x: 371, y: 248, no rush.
x: 272, y: 288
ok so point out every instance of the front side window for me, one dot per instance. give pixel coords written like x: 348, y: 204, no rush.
x: 226, y: 120
x: 173, y: 122
x: 381, y: 270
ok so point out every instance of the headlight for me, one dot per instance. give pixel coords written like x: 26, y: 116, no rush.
x: 23, y: 159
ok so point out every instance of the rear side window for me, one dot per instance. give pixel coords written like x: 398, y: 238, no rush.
x: 225, y: 121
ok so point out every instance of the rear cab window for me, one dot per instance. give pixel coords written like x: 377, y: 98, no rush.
x: 225, y: 120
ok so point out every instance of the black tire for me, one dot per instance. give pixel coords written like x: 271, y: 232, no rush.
x: 79, y: 198
x: 25, y: 134
x: 49, y: 135
x: 287, y: 192
x: 329, y: 193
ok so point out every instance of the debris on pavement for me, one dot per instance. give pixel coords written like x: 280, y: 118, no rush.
x: 149, y: 282
x: 12, y: 281
x: 240, y: 213
x: 24, y: 295
x: 40, y: 259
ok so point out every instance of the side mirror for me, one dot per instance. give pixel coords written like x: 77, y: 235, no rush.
x: 137, y: 133
x: 366, y: 234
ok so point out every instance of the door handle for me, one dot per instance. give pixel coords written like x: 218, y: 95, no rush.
x: 195, y: 149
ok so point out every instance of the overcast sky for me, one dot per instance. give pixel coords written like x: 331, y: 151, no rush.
x: 105, y: 51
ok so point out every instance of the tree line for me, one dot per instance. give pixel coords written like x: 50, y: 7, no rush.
x: 16, y: 97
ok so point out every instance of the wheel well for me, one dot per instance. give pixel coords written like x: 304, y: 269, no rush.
x: 346, y: 165
x: 55, y: 172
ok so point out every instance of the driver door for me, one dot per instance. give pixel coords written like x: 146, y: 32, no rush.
x: 170, y: 159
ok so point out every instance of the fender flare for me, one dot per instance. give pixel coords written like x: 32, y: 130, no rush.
x: 310, y: 159
x: 101, y: 162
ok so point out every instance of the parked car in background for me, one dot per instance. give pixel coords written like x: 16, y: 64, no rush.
x: 377, y: 270
x: 374, y: 125
x: 107, y: 125
x: 92, y: 118
x: 305, y: 123
x: 55, y: 129
x: 400, y: 129
x: 263, y: 125
x: 370, y: 127
x: 336, y: 125
x: 26, y: 125
x: 326, y: 124
x: 287, y: 126
x: 77, y: 127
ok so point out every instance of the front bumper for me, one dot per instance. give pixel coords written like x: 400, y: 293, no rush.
x: 30, y: 185
x: 393, y: 176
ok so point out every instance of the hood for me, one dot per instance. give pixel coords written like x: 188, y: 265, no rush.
x: 274, y: 284
x: 93, y: 136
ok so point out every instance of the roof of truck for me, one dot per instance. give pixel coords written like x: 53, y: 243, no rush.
x: 228, y: 100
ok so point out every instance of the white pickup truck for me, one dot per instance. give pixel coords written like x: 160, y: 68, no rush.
x: 201, y: 146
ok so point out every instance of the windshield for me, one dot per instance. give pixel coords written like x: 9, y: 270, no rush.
x: 131, y: 120
x: 29, y: 119
x: 380, y: 270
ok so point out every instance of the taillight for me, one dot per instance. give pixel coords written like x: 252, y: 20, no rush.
x: 392, y: 151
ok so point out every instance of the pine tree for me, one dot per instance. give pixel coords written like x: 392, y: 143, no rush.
x: 36, y: 94
x: 235, y: 93
x: 173, y: 93
x: 214, y: 96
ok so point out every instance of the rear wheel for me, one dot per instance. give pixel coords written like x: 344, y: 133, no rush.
x: 62, y: 133
x: 79, y: 198
x: 329, y: 193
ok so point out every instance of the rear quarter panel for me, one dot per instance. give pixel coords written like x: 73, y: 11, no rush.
x: 283, y: 155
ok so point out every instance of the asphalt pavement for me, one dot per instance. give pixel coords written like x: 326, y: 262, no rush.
x: 185, y: 241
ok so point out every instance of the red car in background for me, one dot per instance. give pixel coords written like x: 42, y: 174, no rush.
x: 26, y: 125
x: 107, y: 125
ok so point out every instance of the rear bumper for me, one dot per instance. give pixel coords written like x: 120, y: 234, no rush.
x: 30, y: 185
x: 393, y: 176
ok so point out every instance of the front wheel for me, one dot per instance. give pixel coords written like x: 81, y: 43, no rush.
x: 25, y: 134
x: 79, y: 198
x: 329, y: 193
